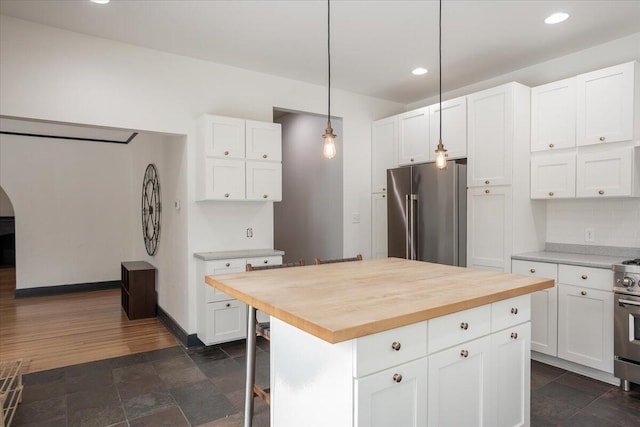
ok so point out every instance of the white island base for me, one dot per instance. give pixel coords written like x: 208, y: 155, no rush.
x: 470, y: 368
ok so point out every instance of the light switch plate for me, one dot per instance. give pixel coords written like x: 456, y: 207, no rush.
x: 589, y: 234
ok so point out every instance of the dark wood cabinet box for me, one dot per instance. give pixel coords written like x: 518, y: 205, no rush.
x: 138, y: 289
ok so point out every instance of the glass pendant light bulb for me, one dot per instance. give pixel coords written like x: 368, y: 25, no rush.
x: 441, y: 156
x: 329, y: 148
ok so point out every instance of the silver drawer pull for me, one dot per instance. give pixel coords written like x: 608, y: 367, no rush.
x: 411, y: 159
x: 487, y: 182
x: 551, y: 145
x: 396, y: 346
x: 550, y: 193
x: 514, y: 335
x: 264, y: 156
x: 601, y: 192
x: 514, y: 310
x: 486, y: 191
x: 627, y: 302
x: 602, y: 138
x: 583, y: 293
x: 226, y: 153
x: 464, y: 353
x: 227, y: 265
x: 397, y: 377
x: 533, y: 270
x: 266, y: 261
x: 226, y: 194
x: 584, y: 277
x: 264, y: 196
x: 464, y: 325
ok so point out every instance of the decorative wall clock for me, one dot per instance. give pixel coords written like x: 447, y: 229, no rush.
x: 151, y: 209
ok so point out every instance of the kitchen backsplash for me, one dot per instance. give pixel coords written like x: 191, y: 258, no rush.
x: 614, y: 222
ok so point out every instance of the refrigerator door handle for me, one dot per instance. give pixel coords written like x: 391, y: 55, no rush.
x: 412, y: 224
x: 407, y: 219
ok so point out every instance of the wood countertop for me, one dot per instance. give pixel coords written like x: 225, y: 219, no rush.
x: 339, y: 302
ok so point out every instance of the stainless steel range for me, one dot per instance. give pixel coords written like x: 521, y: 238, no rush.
x: 626, y: 341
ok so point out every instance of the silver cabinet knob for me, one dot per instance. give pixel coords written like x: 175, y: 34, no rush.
x: 464, y: 353
x: 551, y: 145
x: 264, y: 196
x: 383, y: 196
x: 397, y: 377
x: 533, y: 270
x: 226, y: 194
x: 226, y: 153
x: 227, y: 264
x: 602, y: 138
x: 396, y: 346
x: 550, y: 193
x: 584, y: 277
x: 601, y: 192
x: 464, y: 325
x: 486, y: 191
x: 583, y: 293
x: 514, y: 310
x: 514, y: 335
x: 487, y: 182
x: 264, y: 156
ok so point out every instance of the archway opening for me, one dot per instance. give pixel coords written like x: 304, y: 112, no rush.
x: 7, y: 247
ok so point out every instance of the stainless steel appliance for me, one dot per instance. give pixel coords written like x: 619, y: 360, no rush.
x: 427, y: 213
x: 626, y: 337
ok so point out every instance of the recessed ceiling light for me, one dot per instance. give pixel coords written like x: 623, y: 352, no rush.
x: 99, y: 1
x: 556, y: 18
x: 419, y: 71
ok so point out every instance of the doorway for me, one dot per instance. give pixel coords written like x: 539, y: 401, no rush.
x: 7, y: 247
x: 308, y: 221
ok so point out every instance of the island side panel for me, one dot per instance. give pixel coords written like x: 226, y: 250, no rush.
x: 311, y: 379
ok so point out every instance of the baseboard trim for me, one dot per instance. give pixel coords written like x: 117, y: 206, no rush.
x: 66, y: 289
x: 187, y: 340
x: 576, y: 368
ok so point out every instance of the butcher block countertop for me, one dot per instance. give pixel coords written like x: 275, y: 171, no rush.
x: 339, y: 302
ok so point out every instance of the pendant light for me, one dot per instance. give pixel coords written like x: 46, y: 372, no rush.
x: 441, y: 152
x: 329, y: 148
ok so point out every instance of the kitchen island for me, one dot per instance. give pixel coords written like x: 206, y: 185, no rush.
x: 393, y: 342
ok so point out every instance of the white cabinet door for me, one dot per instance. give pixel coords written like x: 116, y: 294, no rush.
x: 263, y: 141
x: 553, y: 176
x: 544, y: 306
x: 393, y: 397
x: 511, y: 357
x: 605, y: 105
x: 489, y: 228
x: 379, y: 225
x: 384, y: 141
x: 459, y: 386
x: 585, y: 326
x: 226, y: 321
x: 222, y: 136
x: 454, y: 128
x: 605, y: 173
x: 553, y: 115
x: 264, y: 181
x: 490, y: 136
x: 413, y: 137
x: 224, y: 179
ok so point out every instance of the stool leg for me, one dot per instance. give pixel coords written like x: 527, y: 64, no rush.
x: 251, y: 366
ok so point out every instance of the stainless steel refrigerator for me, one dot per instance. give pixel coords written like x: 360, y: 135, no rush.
x: 427, y: 213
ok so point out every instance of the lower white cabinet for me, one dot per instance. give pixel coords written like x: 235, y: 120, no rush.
x: 459, y: 385
x: 379, y: 225
x: 226, y: 321
x: 393, y: 397
x: 585, y: 326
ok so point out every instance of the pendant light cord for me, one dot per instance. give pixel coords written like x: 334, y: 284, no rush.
x: 329, y: 59
x: 440, y: 62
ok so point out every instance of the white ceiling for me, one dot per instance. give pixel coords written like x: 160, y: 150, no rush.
x: 374, y: 46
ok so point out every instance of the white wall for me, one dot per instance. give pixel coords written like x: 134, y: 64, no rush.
x: 52, y: 74
x: 6, y: 207
x: 308, y: 221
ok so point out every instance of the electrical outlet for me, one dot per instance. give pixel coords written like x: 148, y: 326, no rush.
x: 249, y: 232
x: 589, y: 234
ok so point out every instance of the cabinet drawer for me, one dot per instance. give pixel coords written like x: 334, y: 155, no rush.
x: 262, y: 261
x: 457, y: 328
x: 589, y: 277
x: 510, y: 312
x: 212, y: 294
x: 536, y: 269
x: 389, y: 348
x: 226, y: 320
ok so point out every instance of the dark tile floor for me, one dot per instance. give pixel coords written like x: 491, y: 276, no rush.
x: 205, y: 387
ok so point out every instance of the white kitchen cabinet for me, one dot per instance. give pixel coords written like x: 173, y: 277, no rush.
x: 379, y: 225
x: 489, y: 228
x: 224, y: 179
x: 544, y: 306
x: 413, y: 136
x: 607, y: 172
x: 553, y: 115
x: 222, y: 137
x: 490, y: 136
x: 384, y: 146
x: 454, y: 128
x: 511, y: 362
x: 553, y: 175
x: 263, y: 141
x: 264, y: 181
x: 393, y: 397
x: 221, y: 318
x: 459, y: 385
x: 605, y: 109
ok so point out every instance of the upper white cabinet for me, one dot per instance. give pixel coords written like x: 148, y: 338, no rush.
x: 454, y: 128
x: 490, y: 136
x: 238, y: 159
x: 384, y: 141
x: 553, y: 175
x: 413, y: 136
x: 553, y: 115
x: 609, y: 172
x: 605, y: 110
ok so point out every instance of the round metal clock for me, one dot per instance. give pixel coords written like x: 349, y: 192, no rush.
x: 151, y: 209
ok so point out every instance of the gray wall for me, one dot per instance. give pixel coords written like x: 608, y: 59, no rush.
x: 6, y: 208
x: 308, y: 221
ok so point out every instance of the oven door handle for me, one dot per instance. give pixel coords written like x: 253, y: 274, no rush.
x: 628, y: 302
